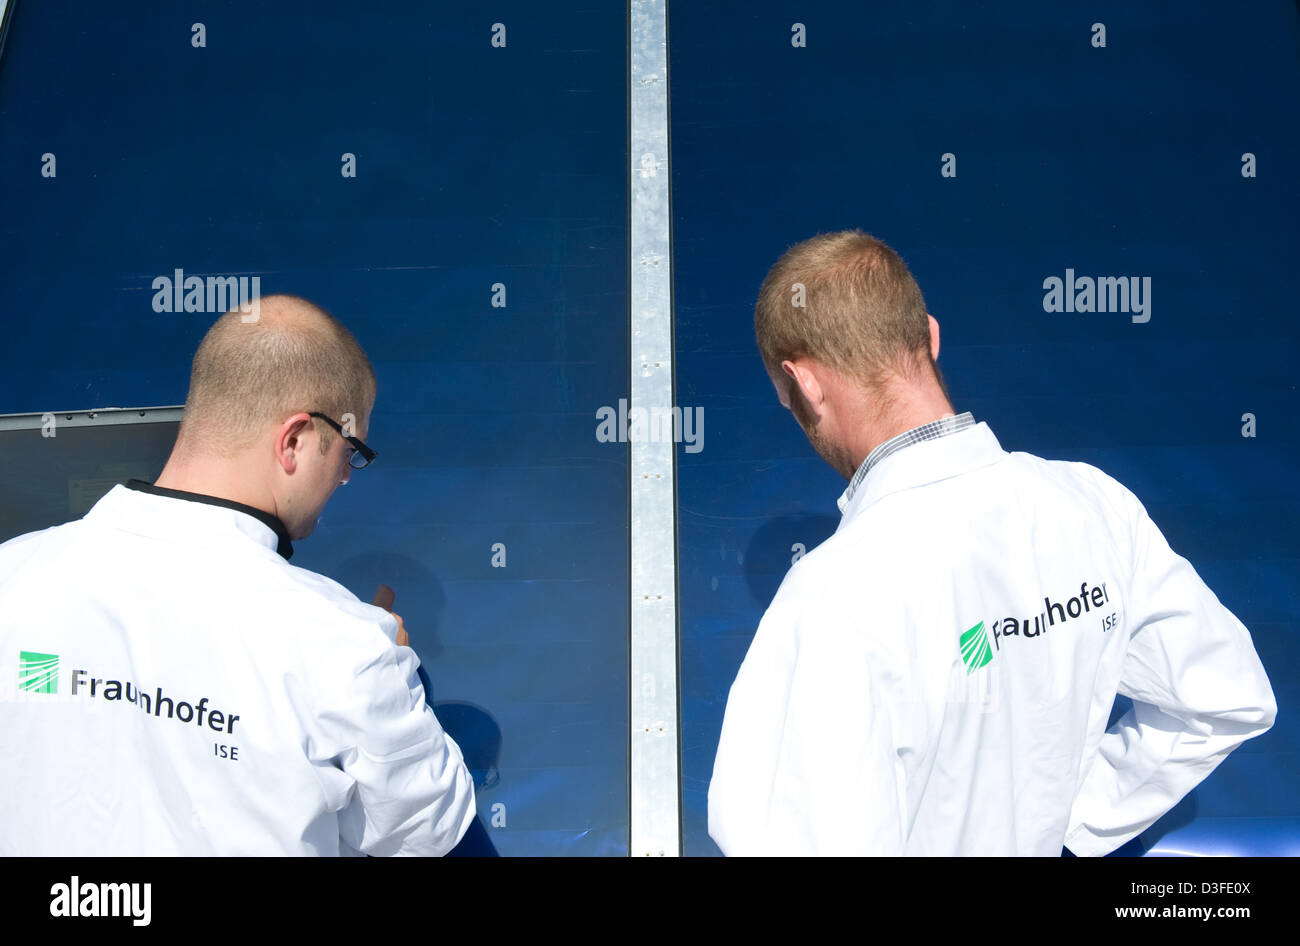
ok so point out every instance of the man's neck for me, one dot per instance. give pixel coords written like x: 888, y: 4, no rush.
x: 908, y: 409
x: 213, y: 479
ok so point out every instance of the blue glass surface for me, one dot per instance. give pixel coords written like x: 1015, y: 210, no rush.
x: 476, y: 165
x: 1117, y: 160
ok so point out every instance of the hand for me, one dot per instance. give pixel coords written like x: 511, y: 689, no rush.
x: 384, y: 598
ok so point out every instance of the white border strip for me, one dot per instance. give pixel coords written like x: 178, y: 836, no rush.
x: 653, y: 781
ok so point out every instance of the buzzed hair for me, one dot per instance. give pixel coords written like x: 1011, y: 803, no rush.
x: 848, y: 300
x: 250, y: 375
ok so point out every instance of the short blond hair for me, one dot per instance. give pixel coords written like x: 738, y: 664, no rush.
x: 250, y: 375
x: 862, y: 312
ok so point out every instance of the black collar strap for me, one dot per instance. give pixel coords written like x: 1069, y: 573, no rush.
x: 284, y: 548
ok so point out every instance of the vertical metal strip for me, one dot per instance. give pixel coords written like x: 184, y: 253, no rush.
x: 653, y: 787
x: 6, y: 11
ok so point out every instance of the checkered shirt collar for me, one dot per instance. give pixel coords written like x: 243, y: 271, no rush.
x: 931, y: 431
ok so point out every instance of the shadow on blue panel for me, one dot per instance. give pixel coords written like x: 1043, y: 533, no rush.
x: 479, y: 738
x: 472, y: 727
x: 774, y: 544
x: 417, y: 592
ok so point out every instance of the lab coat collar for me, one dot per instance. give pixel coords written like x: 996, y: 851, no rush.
x: 143, y: 507
x: 923, y: 463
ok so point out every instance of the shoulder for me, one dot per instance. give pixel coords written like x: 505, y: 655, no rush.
x: 327, y: 605
x: 23, y: 548
x: 269, y: 598
x: 816, y: 573
x: 831, y: 584
x: 22, y: 545
x: 328, y: 592
x: 1077, y: 480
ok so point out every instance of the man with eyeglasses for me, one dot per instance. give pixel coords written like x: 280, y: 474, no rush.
x: 182, y: 688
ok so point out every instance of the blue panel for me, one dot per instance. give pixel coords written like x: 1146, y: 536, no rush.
x: 1122, y: 160
x: 476, y: 165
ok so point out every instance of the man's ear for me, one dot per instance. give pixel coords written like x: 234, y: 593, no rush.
x: 934, y: 337
x: 807, y: 382
x: 289, y: 441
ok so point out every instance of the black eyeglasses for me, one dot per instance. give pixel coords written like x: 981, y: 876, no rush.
x: 360, y: 450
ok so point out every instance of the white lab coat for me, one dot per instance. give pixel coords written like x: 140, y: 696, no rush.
x: 855, y: 726
x: 307, y: 731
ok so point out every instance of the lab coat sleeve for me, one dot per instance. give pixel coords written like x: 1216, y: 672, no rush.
x: 1198, y: 691
x: 806, y: 762
x: 412, y: 794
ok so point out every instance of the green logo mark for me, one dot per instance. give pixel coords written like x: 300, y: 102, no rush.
x: 975, y: 649
x: 38, y: 673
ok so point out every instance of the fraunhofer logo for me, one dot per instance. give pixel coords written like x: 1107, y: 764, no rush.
x: 38, y: 673
x: 975, y: 649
